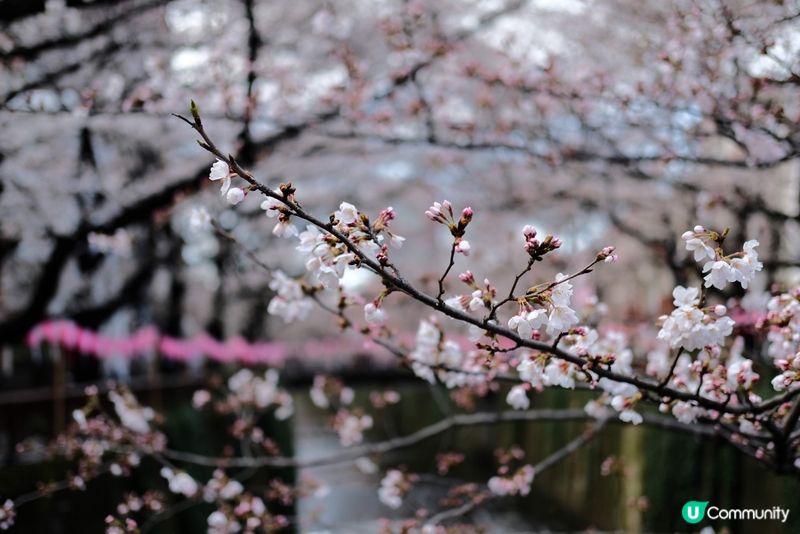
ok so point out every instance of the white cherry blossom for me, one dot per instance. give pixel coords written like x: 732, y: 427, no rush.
x: 346, y: 214
x: 234, y: 196
x: 221, y: 171
x: 517, y: 398
x: 374, y: 315
x: 719, y: 273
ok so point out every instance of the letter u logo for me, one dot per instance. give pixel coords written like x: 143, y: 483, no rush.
x: 694, y: 511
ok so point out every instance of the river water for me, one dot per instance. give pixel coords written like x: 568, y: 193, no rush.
x: 650, y: 472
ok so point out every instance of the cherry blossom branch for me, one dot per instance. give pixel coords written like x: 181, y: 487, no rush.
x: 511, y: 297
x: 792, y: 418
x: 451, y: 262
x: 425, y: 433
x: 394, y: 282
x: 553, y: 459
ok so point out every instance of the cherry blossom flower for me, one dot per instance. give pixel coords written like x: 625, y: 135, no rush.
x: 630, y: 416
x: 393, y: 486
x: 220, y: 486
x: 462, y: 246
x: 366, y: 466
x: 373, y: 314
x: 559, y: 373
x: 745, y: 268
x: 596, y: 409
x: 790, y: 375
x: 199, y: 219
x: 685, y: 296
x: 259, y: 391
x: 740, y: 374
x: 219, y: 523
x: 687, y: 412
x: 517, y: 484
x: 131, y: 414
x: 284, y: 227
x: 719, y: 274
x: 696, y: 243
x: 351, y: 427
x: 562, y: 317
x: 517, y: 398
x: 272, y: 207
x: 200, y: 398
x: 234, y: 196
x: 221, y: 171
x: 7, y: 514
x: 290, y: 303
x: 80, y: 417
x: 526, y: 322
x: 180, y: 483
x: 531, y: 370
x: 346, y: 214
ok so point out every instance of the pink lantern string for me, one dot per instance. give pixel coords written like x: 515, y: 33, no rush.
x: 146, y: 340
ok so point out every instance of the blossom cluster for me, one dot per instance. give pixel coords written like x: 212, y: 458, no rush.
x: 350, y: 426
x: 290, y: 301
x: 479, y: 299
x: 516, y: 483
x: 393, y: 487
x: 691, y: 326
x: 327, y: 391
x: 782, y: 325
x: 249, y: 389
x: 693, y: 354
x: 132, y: 415
x: 436, y: 357
x: 442, y: 213
x: 180, y: 482
x: 7, y: 514
x: 721, y: 269
x: 557, y: 317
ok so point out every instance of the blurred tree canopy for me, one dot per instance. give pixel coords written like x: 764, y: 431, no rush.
x: 603, y: 121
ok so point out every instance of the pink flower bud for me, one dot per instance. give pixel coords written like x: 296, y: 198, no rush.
x: 387, y: 215
x: 687, y: 235
x: 699, y: 229
x: 467, y: 277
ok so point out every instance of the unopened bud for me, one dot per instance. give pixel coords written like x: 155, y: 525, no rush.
x: 529, y: 232
x: 234, y: 196
x: 466, y: 216
x: 467, y: 277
